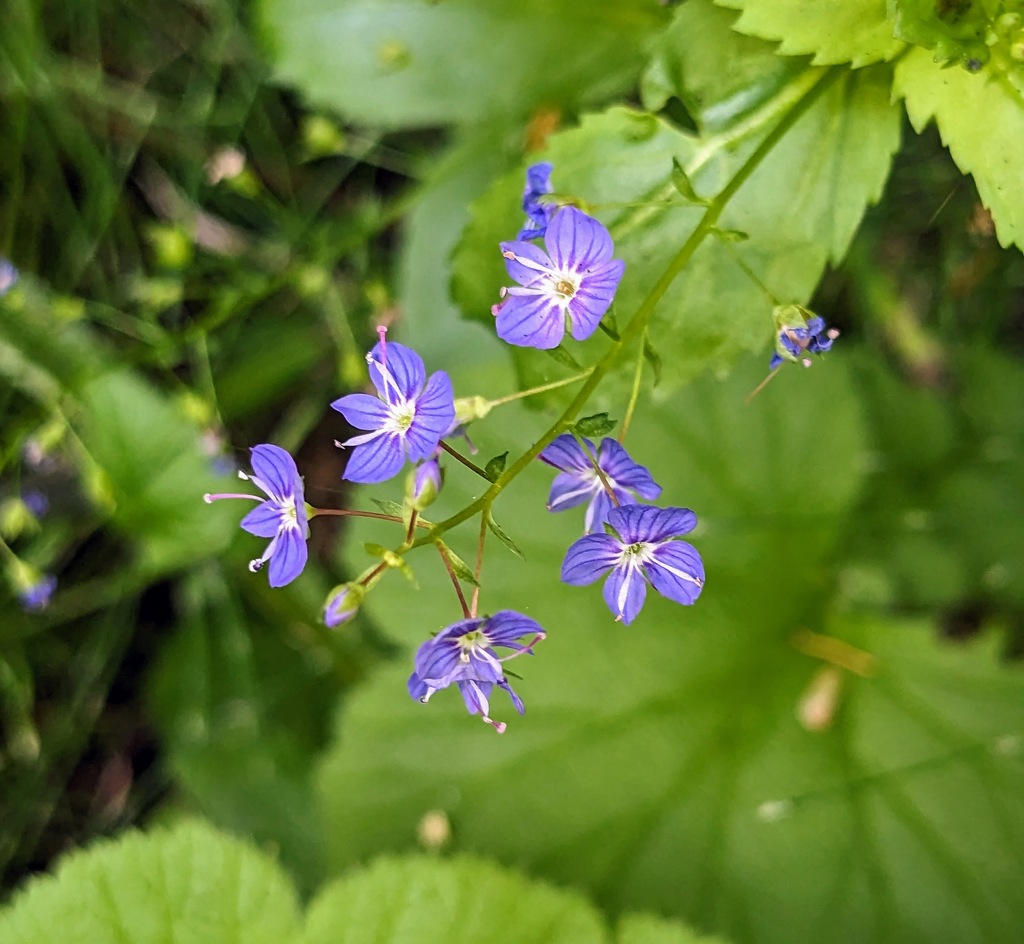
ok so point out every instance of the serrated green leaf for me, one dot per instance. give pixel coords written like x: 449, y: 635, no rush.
x: 189, y: 883
x: 456, y: 901
x: 981, y: 120
x: 833, y: 31
x: 956, y: 31
x: 600, y: 424
x: 800, y: 208
x: 495, y: 466
x: 503, y: 536
x: 406, y: 63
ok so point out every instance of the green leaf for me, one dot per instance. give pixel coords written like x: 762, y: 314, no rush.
x: 153, y: 470
x: 800, y: 207
x: 458, y: 901
x: 833, y: 31
x: 681, y: 182
x: 388, y: 507
x: 495, y: 466
x: 647, y: 929
x: 597, y: 425
x: 981, y: 120
x: 956, y: 31
x: 459, y: 567
x: 239, y: 701
x: 683, y: 730
x: 406, y: 63
x: 502, y: 536
x: 188, y: 883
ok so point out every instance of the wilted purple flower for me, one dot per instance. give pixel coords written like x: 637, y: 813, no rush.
x: 579, y: 480
x: 538, y: 214
x: 574, y: 281
x: 281, y: 517
x: 643, y: 549
x: 464, y: 654
x: 9, y: 276
x: 342, y: 604
x: 410, y: 414
x: 36, y: 596
x: 793, y: 340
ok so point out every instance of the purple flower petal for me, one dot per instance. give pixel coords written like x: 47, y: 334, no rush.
x: 378, y: 460
x: 647, y: 524
x: 565, y: 453
x: 517, y: 702
x: 405, y: 367
x: 593, y: 299
x: 276, y: 469
x: 523, y: 274
x: 625, y: 591
x: 362, y: 411
x: 570, y: 489
x: 418, y: 689
x: 601, y: 507
x: 476, y: 695
x: 531, y: 321
x: 619, y: 466
x: 576, y: 241
x: 676, y: 571
x: 289, y: 557
x: 264, y: 520
x: 507, y: 626
x: 589, y: 557
x: 435, y: 414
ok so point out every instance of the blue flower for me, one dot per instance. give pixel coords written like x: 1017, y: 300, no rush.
x: 36, y: 596
x: 281, y: 517
x: 574, y: 281
x: 805, y: 335
x: 643, y: 549
x: 538, y: 214
x: 9, y: 276
x: 410, y: 414
x: 464, y: 654
x: 579, y: 480
x: 342, y: 604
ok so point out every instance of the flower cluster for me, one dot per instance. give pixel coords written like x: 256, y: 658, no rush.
x: 566, y: 286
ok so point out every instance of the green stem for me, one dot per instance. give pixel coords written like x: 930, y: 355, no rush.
x: 638, y: 323
x: 634, y: 394
x: 543, y: 388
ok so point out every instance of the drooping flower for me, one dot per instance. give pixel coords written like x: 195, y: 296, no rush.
x: 9, y: 276
x: 409, y: 416
x: 574, y: 282
x: 579, y: 480
x: 464, y: 654
x: 342, y: 604
x: 280, y: 517
x: 643, y: 550
x: 36, y: 595
x: 538, y: 214
x: 799, y: 332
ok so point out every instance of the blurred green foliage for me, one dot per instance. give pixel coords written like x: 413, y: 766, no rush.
x: 211, y: 205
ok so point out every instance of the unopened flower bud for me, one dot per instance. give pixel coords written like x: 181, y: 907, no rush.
x: 423, y: 484
x: 342, y: 604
